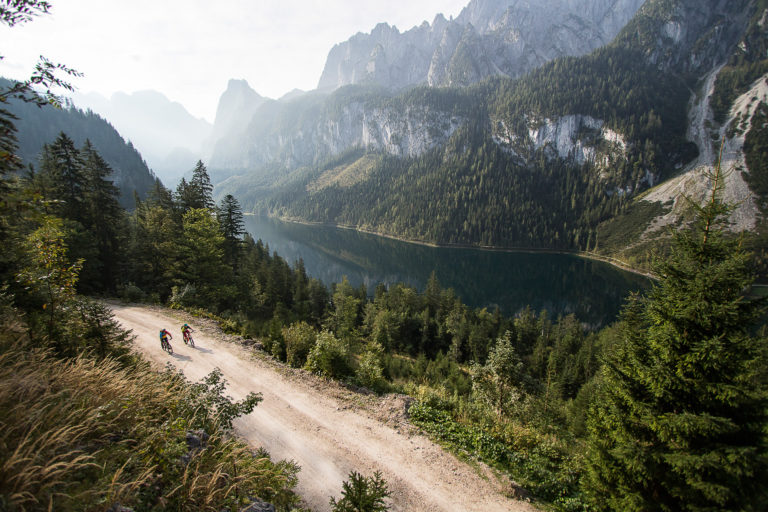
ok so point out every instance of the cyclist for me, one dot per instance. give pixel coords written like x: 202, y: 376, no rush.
x: 164, y: 335
x: 185, y: 332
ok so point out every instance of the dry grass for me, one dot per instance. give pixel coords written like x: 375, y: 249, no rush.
x: 83, y: 434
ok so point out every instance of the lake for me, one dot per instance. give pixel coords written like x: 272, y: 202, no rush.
x: 560, y: 283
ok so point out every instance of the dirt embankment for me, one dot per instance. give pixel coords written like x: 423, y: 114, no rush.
x: 327, y: 429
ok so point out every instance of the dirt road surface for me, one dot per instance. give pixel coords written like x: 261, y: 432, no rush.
x: 327, y: 429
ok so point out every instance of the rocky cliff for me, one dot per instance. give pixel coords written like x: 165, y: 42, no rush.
x: 488, y: 38
x: 550, y: 159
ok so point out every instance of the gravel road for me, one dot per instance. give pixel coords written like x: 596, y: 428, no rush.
x: 327, y: 429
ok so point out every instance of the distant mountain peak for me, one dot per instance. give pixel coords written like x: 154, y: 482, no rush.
x: 238, y: 84
x: 155, y: 125
x: 236, y: 107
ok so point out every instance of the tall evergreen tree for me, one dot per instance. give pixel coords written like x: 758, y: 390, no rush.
x: 231, y: 221
x: 161, y: 196
x: 105, y: 217
x: 202, y: 188
x: 9, y: 165
x: 680, y: 420
x: 62, y: 162
x: 185, y: 196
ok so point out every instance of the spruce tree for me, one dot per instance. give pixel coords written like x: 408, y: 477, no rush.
x: 62, y: 162
x: 105, y: 217
x: 680, y: 422
x: 230, y: 217
x: 202, y: 188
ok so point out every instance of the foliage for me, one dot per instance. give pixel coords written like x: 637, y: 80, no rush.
x: 208, y: 396
x: 540, y: 467
x: 17, y: 12
x: 679, y: 423
x: 369, y: 372
x: 299, y: 338
x: 329, y: 357
x: 49, y: 277
x: 230, y: 217
x: 499, y: 382
x: 362, y: 494
x: 81, y: 434
x: 198, y: 193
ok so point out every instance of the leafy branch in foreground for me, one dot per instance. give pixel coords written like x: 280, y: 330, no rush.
x: 14, y: 12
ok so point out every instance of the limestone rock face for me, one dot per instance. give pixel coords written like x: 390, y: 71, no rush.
x: 406, y: 133
x: 489, y: 37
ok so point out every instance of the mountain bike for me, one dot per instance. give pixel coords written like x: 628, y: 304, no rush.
x: 188, y: 339
x: 166, y: 345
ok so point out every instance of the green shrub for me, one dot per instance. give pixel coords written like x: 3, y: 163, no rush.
x: 132, y: 293
x: 369, y: 373
x: 299, y: 339
x: 362, y: 494
x: 329, y: 357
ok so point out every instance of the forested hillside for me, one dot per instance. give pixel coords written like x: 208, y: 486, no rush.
x: 37, y: 126
x: 543, y: 161
x: 666, y: 409
x: 530, y: 395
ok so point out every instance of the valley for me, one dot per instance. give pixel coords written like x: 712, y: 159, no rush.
x: 401, y: 273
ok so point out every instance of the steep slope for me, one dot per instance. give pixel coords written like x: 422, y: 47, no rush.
x: 37, y: 126
x: 726, y: 120
x: 160, y: 129
x: 554, y: 159
x: 488, y: 38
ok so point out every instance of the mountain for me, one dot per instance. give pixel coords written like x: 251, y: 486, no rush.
x: 38, y: 126
x: 160, y: 129
x: 489, y: 38
x: 234, y: 112
x: 575, y: 154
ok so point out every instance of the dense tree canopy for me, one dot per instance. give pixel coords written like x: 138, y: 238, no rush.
x: 680, y: 421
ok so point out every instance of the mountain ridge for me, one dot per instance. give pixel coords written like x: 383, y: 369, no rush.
x: 582, y: 137
x: 488, y: 38
x: 38, y: 126
x: 167, y: 135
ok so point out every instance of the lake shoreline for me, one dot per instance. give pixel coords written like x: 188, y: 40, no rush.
x: 525, y: 250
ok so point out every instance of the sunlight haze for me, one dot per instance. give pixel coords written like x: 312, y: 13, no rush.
x: 188, y: 50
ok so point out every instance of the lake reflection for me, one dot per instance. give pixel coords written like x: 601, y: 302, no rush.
x: 561, y: 284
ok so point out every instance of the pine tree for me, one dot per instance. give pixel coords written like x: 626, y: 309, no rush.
x: 201, y: 186
x: 231, y: 220
x: 9, y: 165
x: 185, y: 196
x: 63, y: 164
x: 105, y: 217
x: 680, y: 420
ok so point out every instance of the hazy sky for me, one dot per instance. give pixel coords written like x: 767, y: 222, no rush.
x: 189, y: 49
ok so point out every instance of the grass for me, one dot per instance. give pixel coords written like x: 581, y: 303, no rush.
x: 84, y: 434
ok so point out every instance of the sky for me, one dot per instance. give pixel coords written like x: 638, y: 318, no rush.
x: 189, y: 49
